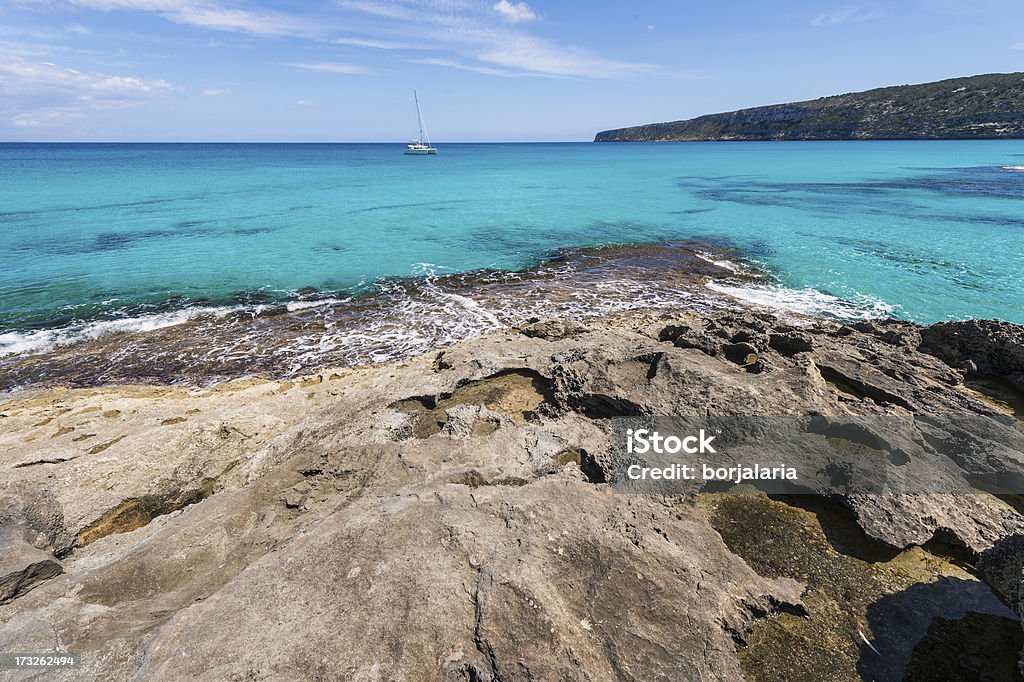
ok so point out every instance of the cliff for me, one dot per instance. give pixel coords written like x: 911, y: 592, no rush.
x: 979, y: 107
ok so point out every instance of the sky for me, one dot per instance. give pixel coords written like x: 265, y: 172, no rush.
x: 486, y: 70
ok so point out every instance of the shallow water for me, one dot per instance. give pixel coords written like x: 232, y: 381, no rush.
x: 400, y: 319
x: 116, y: 238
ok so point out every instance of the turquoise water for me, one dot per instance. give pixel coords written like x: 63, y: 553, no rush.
x: 925, y: 231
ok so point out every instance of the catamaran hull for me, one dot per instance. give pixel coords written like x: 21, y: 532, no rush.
x: 420, y: 152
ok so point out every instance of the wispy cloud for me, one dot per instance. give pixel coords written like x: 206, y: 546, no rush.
x: 22, y: 75
x: 332, y: 67
x: 515, y: 12
x: 41, y: 94
x: 1018, y: 46
x: 538, y: 56
x: 378, y: 44
x: 245, y: 21
x: 213, y: 92
x: 484, y: 36
x: 470, y: 35
x: 202, y: 14
x: 846, y: 15
x: 452, y: 64
x: 304, y: 103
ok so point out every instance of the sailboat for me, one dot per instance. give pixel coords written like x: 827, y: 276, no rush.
x: 421, y: 145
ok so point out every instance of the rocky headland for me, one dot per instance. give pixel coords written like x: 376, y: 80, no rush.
x: 450, y: 517
x: 989, y: 106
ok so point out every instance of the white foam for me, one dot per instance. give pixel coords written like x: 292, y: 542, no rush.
x: 806, y: 301
x: 45, y: 339
x: 473, y: 308
x: 1014, y: 169
x: 723, y: 263
x: 407, y: 321
x: 305, y: 305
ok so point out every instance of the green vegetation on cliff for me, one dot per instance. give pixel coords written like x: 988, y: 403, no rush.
x: 978, y: 107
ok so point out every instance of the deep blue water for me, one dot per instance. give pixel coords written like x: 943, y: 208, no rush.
x: 925, y: 231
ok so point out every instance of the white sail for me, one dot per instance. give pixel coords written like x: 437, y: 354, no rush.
x: 421, y: 145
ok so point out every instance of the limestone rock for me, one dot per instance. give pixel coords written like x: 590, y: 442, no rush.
x: 450, y: 517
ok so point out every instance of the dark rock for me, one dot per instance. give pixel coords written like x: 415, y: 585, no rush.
x: 740, y: 353
x: 790, y: 343
x: 991, y: 347
x: 702, y: 342
x: 1002, y: 566
x: 979, y: 646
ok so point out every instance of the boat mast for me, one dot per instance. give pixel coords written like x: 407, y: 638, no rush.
x: 419, y: 117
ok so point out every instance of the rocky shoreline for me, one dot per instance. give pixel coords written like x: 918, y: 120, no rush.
x: 449, y: 517
x: 976, y: 107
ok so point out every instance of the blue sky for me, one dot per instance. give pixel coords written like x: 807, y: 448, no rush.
x: 343, y: 70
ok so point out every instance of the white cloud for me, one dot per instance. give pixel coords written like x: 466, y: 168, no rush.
x: 473, y: 35
x: 452, y: 64
x: 387, y: 10
x: 257, y: 23
x: 26, y: 49
x: 846, y: 15
x: 514, y: 12
x: 377, y: 44
x: 1018, y: 46
x: 304, y: 103
x: 45, y: 118
x: 42, y: 36
x: 202, y: 14
x: 332, y: 67
x: 539, y: 56
x: 145, y: 5
x: 41, y: 94
x: 469, y: 35
x: 213, y: 92
x: 22, y: 76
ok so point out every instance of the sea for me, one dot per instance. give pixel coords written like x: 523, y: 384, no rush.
x: 172, y: 261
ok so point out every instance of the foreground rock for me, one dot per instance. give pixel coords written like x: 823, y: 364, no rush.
x: 449, y: 518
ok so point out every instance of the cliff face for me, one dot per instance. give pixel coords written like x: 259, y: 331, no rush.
x: 979, y: 107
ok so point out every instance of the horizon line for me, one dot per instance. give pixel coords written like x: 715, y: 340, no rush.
x: 389, y: 142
